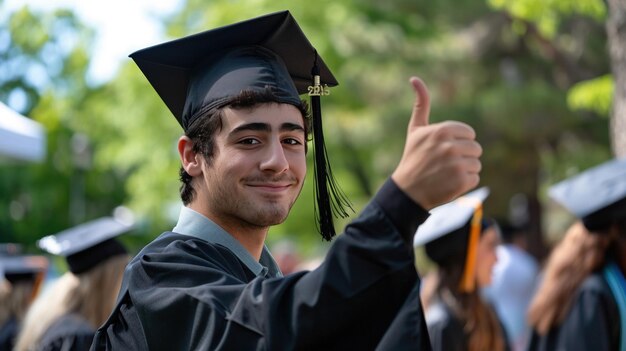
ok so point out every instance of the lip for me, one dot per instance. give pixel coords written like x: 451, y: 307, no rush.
x: 270, y: 187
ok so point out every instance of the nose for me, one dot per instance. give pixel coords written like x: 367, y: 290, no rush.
x: 274, y: 159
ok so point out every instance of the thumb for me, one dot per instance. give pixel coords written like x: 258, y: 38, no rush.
x: 421, y: 107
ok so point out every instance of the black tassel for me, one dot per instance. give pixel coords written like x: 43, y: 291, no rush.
x: 330, y: 199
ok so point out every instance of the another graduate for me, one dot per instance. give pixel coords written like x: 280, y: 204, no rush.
x: 21, y: 277
x: 66, y: 316
x: 210, y: 283
x: 462, y: 244
x: 515, y: 278
x: 581, y: 301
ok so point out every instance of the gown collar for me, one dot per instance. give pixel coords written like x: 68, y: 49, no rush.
x: 194, y: 224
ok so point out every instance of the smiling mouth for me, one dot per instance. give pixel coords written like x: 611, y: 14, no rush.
x: 270, y: 186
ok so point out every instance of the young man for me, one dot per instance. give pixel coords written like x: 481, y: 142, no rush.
x: 210, y: 283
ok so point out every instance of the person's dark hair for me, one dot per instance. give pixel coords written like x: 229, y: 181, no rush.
x: 203, y: 130
x: 621, y: 226
x: 479, y: 321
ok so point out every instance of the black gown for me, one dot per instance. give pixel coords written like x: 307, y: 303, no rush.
x: 447, y: 332
x: 592, y: 323
x: 68, y: 333
x: 183, y: 293
x: 8, y: 333
x: 445, y: 329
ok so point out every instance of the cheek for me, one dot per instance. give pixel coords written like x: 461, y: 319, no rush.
x: 490, y: 262
x: 234, y: 163
x: 297, y: 164
x: 493, y: 253
x: 485, y: 271
x: 487, y: 257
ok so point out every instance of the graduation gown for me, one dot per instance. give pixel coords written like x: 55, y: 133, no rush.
x: 592, y: 323
x: 184, y: 293
x: 445, y: 329
x: 68, y: 333
x: 8, y: 333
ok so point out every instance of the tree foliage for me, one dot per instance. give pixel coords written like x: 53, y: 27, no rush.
x: 43, y: 60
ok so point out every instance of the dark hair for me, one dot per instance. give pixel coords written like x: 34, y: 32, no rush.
x: 621, y: 226
x: 479, y: 321
x: 203, y: 129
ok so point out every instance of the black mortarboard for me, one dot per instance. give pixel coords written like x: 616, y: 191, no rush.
x: 597, y: 195
x: 200, y: 72
x: 88, y: 244
x: 450, y: 235
x: 23, y: 267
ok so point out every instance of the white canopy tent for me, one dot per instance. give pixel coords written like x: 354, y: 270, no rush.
x: 20, y: 137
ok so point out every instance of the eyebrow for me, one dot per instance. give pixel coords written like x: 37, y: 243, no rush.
x: 265, y: 127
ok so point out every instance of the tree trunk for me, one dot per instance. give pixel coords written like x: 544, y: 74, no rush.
x: 616, y: 30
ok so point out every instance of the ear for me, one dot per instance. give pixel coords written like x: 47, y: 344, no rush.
x: 190, y: 160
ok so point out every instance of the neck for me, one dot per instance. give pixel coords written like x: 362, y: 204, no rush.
x: 251, y: 237
x: 252, y: 241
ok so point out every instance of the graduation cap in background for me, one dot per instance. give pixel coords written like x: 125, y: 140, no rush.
x: 597, y: 196
x: 23, y: 267
x: 204, y: 71
x: 452, y: 232
x: 88, y: 244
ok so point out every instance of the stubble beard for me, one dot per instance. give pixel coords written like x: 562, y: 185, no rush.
x: 250, y: 211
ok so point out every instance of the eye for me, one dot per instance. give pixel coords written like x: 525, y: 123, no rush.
x: 249, y: 141
x: 292, y: 141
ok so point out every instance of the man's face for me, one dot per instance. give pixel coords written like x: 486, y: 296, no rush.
x: 258, y: 167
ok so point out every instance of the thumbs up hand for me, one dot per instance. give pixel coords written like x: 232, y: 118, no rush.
x: 440, y: 161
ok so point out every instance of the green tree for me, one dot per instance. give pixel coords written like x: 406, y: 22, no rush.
x: 43, y: 60
x: 616, y: 30
x: 571, y: 35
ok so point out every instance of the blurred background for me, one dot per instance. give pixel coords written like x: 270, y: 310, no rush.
x: 535, y: 78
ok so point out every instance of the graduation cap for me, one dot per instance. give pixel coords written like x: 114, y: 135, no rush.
x: 23, y: 264
x: 450, y: 235
x: 23, y: 267
x: 597, y: 196
x: 88, y: 244
x: 204, y: 71
x: 28, y: 269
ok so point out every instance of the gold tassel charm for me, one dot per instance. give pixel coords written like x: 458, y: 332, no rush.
x: 317, y: 89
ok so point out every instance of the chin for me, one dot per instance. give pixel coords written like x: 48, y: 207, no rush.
x: 270, y: 219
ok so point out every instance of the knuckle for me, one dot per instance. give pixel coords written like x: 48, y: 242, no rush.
x: 448, y: 149
x: 460, y: 168
x: 441, y: 131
